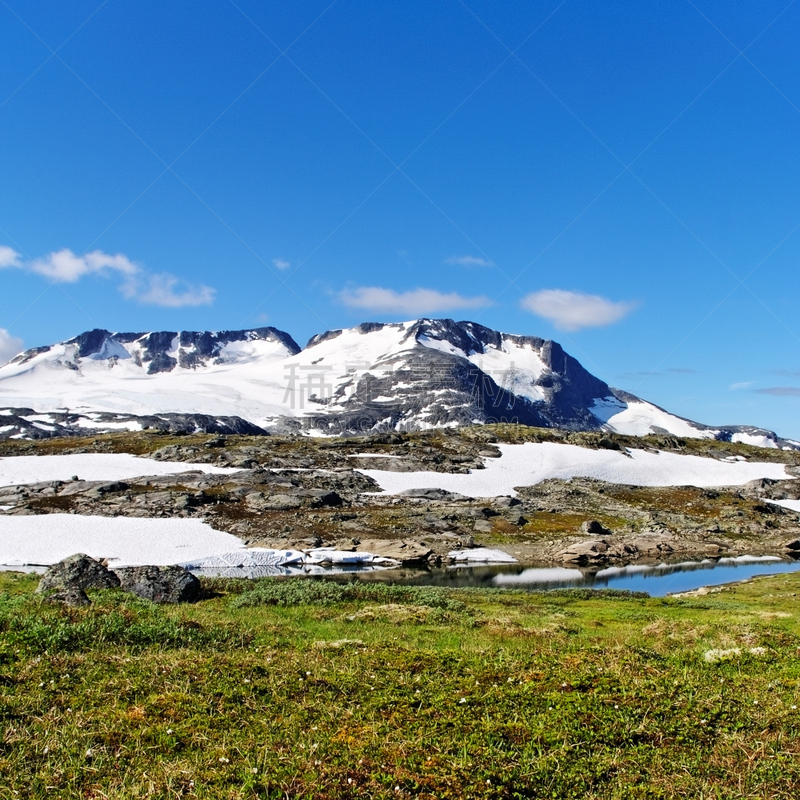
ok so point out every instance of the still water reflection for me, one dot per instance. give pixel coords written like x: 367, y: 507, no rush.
x: 656, y: 579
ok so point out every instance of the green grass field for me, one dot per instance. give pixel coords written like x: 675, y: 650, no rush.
x: 314, y: 690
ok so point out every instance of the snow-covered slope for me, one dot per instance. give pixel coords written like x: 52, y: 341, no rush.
x: 230, y: 373
x: 622, y: 412
x: 401, y: 376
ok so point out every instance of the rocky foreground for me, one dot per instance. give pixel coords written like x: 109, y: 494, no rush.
x: 302, y: 493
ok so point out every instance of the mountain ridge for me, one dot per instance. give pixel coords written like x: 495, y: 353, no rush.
x: 414, y: 375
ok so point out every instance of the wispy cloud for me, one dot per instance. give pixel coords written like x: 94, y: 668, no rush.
x: 9, y: 346
x: 280, y: 263
x: 741, y: 385
x: 571, y: 311
x: 644, y: 373
x: 780, y: 391
x: 787, y: 373
x: 415, y: 302
x: 159, y: 289
x: 468, y: 261
x: 163, y: 289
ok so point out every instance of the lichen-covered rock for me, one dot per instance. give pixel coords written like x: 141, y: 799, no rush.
x: 585, y: 552
x: 406, y: 551
x: 172, y: 584
x: 78, y: 571
x: 273, y: 502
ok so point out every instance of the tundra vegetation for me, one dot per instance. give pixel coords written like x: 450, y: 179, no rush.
x: 318, y: 689
x: 278, y: 688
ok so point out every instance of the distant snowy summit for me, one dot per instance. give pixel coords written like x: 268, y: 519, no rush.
x: 416, y: 375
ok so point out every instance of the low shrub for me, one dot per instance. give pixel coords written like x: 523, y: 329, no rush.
x: 301, y: 592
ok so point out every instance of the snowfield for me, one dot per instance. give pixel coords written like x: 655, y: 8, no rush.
x: 640, y: 417
x: 124, y: 541
x: 531, y: 463
x: 44, y: 539
x: 17, y: 470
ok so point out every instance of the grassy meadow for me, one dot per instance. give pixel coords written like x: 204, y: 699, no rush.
x: 290, y: 689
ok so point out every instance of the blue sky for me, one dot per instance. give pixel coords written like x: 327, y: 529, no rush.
x: 623, y: 178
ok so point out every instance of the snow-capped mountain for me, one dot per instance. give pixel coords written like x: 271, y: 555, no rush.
x: 396, y: 376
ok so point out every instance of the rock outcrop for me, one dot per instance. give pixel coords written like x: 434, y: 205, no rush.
x: 172, y: 584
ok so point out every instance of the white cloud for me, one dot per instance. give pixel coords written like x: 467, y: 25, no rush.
x: 743, y: 385
x: 158, y: 289
x: 9, y: 257
x: 571, y: 311
x: 166, y: 290
x: 63, y: 266
x: 280, y: 263
x: 468, y: 261
x: 414, y: 302
x: 9, y: 346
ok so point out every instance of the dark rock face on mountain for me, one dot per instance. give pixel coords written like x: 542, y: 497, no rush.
x: 194, y: 348
x: 26, y: 423
x: 423, y: 388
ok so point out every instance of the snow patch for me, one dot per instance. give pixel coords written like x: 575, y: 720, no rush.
x: 754, y: 439
x: 792, y: 505
x: 125, y: 541
x: 531, y: 463
x: 129, y: 425
x: 481, y: 555
x: 16, y: 470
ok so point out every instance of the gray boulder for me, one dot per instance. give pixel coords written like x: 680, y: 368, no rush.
x: 433, y: 494
x: 69, y: 597
x: 593, y: 526
x: 78, y: 571
x: 171, y: 584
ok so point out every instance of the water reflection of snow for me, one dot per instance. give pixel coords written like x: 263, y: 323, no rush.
x: 656, y: 579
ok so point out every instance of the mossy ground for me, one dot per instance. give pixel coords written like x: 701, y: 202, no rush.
x: 288, y: 689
